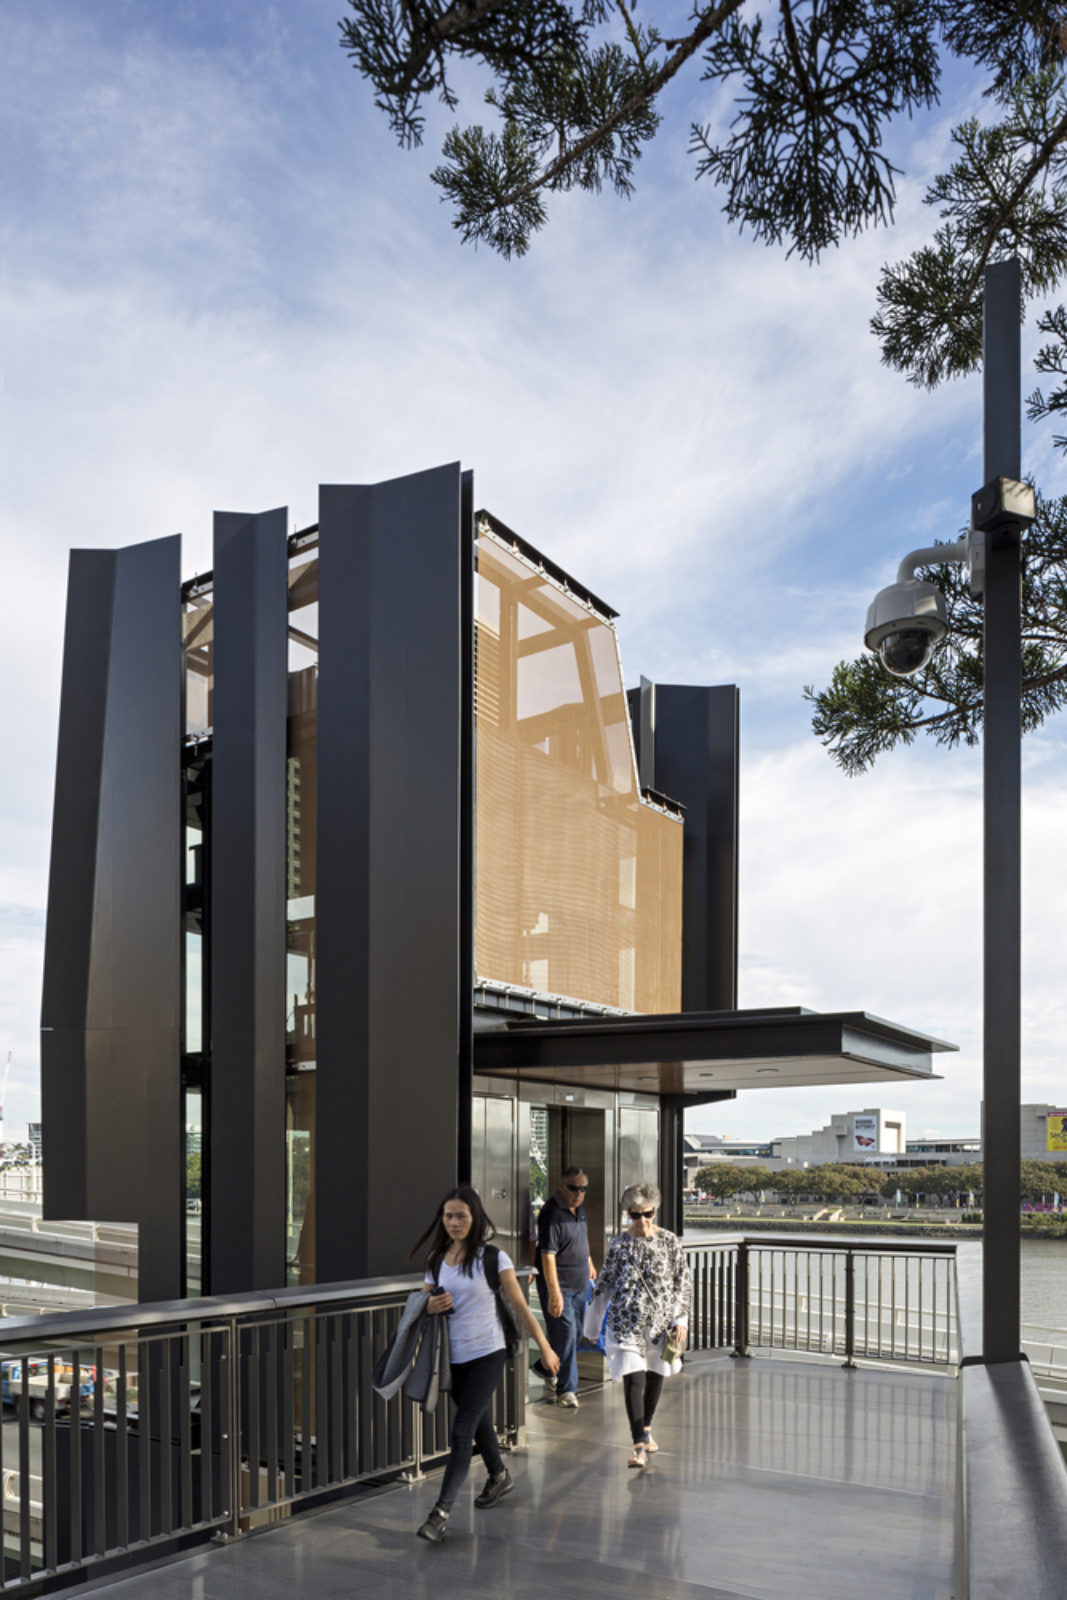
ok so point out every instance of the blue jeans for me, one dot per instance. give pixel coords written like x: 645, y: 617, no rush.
x: 564, y: 1334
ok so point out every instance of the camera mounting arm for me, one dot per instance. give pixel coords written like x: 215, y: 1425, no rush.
x: 935, y: 555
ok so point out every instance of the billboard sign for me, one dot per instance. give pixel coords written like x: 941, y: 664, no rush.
x: 865, y: 1134
x: 1057, y: 1130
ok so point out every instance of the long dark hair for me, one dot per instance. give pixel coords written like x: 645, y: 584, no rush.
x: 481, y: 1231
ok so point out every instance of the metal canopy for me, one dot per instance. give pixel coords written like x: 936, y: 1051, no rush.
x: 697, y: 1052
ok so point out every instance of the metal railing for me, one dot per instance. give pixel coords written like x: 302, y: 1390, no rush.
x: 148, y: 1428
x: 141, y: 1430
x: 879, y: 1301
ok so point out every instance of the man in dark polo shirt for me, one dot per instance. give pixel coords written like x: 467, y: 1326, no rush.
x: 564, y: 1268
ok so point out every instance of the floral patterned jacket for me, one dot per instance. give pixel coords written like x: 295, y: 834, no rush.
x: 647, y: 1282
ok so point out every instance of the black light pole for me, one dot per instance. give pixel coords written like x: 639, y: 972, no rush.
x: 1002, y: 822
x: 905, y: 621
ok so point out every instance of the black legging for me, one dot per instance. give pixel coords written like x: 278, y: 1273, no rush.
x: 473, y: 1383
x: 641, y: 1391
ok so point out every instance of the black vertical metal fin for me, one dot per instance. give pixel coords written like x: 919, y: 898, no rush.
x: 246, y: 1223
x: 697, y: 759
x: 111, y: 1085
x: 388, y: 895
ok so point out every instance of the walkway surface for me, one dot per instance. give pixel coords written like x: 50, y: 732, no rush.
x: 775, y: 1480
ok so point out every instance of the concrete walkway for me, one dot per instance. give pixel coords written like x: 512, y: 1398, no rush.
x: 775, y: 1480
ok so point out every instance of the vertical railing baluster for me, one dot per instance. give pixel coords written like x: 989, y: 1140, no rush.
x: 49, y: 1482
x: 25, y: 1553
x: 122, y: 1454
x: 307, y: 1380
x: 741, y: 1304
x: 100, y: 1474
x: 75, y: 1465
x: 850, y: 1307
x: 185, y: 1433
x: 252, y: 1389
x: 271, y: 1396
x: 288, y: 1406
x: 207, y: 1425
x: 231, y: 1417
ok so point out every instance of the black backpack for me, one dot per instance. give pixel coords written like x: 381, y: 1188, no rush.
x: 513, y: 1331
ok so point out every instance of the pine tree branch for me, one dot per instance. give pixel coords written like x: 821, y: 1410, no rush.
x: 634, y: 34
x: 658, y: 80
x: 1007, y: 208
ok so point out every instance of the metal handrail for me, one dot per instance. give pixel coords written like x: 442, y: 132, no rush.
x: 200, y: 1418
x: 833, y: 1312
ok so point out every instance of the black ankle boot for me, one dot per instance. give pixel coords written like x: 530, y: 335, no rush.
x: 436, y: 1525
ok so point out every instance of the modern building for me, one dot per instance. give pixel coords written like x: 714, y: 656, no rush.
x: 876, y: 1137
x: 705, y: 1149
x: 939, y: 1153
x: 1043, y: 1132
x: 854, y: 1137
x: 368, y: 874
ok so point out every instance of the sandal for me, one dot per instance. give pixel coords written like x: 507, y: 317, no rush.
x: 638, y: 1458
x: 650, y: 1444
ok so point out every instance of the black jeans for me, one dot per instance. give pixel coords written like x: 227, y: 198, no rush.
x: 473, y: 1385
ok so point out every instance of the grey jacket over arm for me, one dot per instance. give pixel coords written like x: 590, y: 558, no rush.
x: 416, y: 1359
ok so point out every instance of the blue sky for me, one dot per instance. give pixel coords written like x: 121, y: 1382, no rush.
x: 222, y: 283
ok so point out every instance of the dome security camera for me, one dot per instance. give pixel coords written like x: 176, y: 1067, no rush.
x: 904, y: 622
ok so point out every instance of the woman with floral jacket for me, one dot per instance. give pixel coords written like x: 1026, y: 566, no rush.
x: 644, y: 1283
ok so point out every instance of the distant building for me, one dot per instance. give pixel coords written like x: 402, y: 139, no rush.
x: 876, y: 1138
x: 705, y: 1149
x: 1042, y: 1135
x: 872, y: 1136
x: 852, y: 1137
x: 33, y: 1134
x: 939, y: 1153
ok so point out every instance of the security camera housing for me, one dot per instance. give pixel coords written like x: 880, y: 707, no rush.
x: 904, y: 622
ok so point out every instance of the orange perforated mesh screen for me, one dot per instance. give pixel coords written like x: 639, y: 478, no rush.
x: 579, y: 886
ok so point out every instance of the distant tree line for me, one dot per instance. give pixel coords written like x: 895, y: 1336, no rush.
x: 836, y: 1181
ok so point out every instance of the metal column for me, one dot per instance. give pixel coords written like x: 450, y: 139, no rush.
x: 389, y: 899
x: 1001, y: 782
x: 246, y: 1143
x: 111, y: 1002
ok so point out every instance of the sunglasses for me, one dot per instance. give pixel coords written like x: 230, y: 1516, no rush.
x: 577, y: 1188
x: 642, y: 1213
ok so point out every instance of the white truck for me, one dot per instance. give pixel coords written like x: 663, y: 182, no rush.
x: 29, y: 1379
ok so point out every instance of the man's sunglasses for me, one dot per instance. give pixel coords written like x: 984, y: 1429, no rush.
x: 642, y: 1213
x: 577, y: 1188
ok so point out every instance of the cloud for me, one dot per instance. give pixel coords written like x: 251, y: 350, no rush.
x: 866, y: 894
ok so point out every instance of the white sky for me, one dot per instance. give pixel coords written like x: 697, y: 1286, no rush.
x: 222, y: 284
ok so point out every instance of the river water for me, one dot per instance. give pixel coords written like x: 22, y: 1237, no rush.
x: 1043, y: 1285
x: 1042, y: 1273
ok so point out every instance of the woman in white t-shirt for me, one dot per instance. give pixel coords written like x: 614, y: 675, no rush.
x: 457, y: 1285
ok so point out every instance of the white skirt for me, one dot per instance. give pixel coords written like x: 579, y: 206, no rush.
x: 638, y: 1352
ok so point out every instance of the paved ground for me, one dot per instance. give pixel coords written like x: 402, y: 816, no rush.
x: 775, y: 1481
